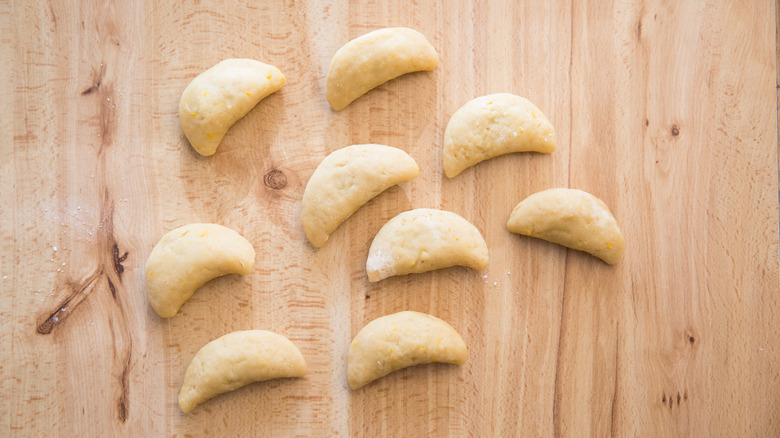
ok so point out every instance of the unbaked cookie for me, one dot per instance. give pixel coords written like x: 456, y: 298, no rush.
x: 220, y: 96
x: 235, y: 360
x: 345, y: 180
x: 375, y: 58
x: 401, y: 340
x: 571, y: 218
x: 422, y: 240
x: 186, y: 258
x: 494, y: 125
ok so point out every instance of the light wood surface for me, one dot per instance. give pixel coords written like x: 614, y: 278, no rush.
x: 663, y: 109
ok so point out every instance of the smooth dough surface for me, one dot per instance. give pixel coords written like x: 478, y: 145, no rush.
x: 494, y: 125
x: 345, y: 180
x: 401, y: 340
x: 422, y: 240
x: 220, y: 96
x: 187, y: 257
x: 373, y: 59
x: 238, y: 359
x: 571, y: 218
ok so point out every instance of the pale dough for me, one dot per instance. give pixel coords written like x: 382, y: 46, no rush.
x: 571, y: 218
x: 494, y: 125
x: 422, y: 240
x: 375, y: 58
x: 401, y: 340
x: 186, y: 258
x: 238, y: 359
x: 220, y: 96
x: 345, y: 180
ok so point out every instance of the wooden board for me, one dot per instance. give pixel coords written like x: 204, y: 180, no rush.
x: 665, y: 110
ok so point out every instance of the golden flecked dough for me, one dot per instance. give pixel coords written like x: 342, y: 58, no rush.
x: 571, y: 218
x: 401, y: 340
x: 422, y: 240
x: 494, y: 125
x: 373, y: 59
x: 220, y: 96
x: 189, y: 256
x: 238, y: 359
x: 345, y: 180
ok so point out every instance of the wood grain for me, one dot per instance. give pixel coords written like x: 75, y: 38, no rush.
x: 665, y: 110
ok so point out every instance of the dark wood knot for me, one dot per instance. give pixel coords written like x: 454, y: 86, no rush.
x: 275, y: 179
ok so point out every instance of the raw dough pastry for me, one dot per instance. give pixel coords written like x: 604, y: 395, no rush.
x: 423, y: 240
x: 494, y: 125
x: 571, y: 218
x: 189, y: 256
x: 235, y: 360
x: 401, y: 340
x: 375, y: 58
x: 220, y: 96
x: 345, y: 180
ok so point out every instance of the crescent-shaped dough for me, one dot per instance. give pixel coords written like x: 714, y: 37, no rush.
x: 373, y: 59
x: 494, y: 125
x: 189, y: 256
x: 345, y: 180
x: 423, y: 240
x: 571, y: 218
x: 401, y: 340
x: 238, y: 359
x: 220, y: 96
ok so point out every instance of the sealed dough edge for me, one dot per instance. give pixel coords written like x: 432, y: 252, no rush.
x: 220, y: 96
x: 187, y: 257
x: 572, y: 218
x: 235, y: 360
x: 493, y: 125
x: 401, y: 340
x: 375, y: 58
x: 345, y: 180
x: 424, y: 240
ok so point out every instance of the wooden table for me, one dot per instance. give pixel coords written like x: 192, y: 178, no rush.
x: 665, y: 110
